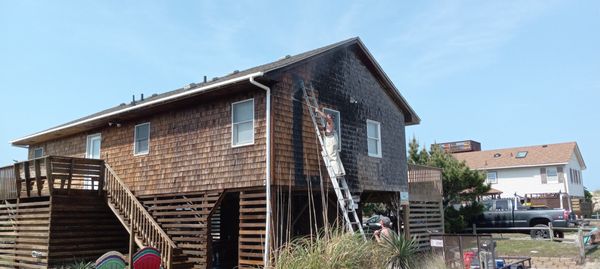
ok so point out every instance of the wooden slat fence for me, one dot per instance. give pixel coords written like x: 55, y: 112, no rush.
x: 24, y: 233
x: 426, y: 214
x: 253, y: 210
x: 8, y: 183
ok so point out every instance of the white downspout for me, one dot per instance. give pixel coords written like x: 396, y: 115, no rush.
x: 266, y: 259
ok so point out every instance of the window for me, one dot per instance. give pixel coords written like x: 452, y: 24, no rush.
x: 336, y: 123
x: 93, y: 146
x: 38, y: 153
x: 502, y: 205
x: 492, y: 177
x: 141, y: 143
x: 521, y: 154
x: 374, y: 138
x: 242, y: 123
x: 552, y: 174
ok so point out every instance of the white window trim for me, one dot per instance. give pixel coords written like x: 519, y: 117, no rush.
x: 487, y: 179
x: 233, y: 124
x: 339, y: 123
x: 551, y: 179
x: 135, y: 139
x: 379, y: 149
x: 38, y: 148
x: 87, y: 144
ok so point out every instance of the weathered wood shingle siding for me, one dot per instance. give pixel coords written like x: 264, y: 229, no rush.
x: 190, y: 148
x: 339, y: 77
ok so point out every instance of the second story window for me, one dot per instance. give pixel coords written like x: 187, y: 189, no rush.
x: 38, y: 153
x: 374, y: 138
x: 492, y: 177
x: 141, y: 143
x: 552, y: 174
x: 242, y: 123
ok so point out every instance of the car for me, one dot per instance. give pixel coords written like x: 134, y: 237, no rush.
x: 372, y: 224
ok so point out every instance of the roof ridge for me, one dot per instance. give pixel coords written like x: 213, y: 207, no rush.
x: 519, y: 147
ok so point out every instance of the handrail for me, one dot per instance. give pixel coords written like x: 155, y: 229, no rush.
x: 142, y: 223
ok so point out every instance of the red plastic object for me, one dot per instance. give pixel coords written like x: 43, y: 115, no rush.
x: 146, y: 258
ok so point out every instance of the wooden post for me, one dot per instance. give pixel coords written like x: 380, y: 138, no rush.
x: 18, y: 179
x: 70, y: 178
x: 49, y: 174
x: 131, y: 241
x: 550, y: 231
x: 406, y: 209
x: 101, y: 178
x: 581, y: 245
x: 27, y: 178
x: 38, y: 176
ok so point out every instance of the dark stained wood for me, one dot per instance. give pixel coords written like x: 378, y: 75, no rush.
x: 252, y: 228
x: 38, y: 176
x: 343, y: 83
x: 83, y: 227
x: 27, y: 178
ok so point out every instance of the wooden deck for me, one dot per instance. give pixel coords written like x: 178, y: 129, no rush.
x: 45, y: 176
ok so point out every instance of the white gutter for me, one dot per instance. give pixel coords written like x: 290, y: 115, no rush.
x: 164, y: 99
x: 518, y: 166
x: 266, y: 259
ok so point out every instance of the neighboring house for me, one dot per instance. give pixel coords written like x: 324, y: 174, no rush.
x: 205, y: 159
x: 532, y: 171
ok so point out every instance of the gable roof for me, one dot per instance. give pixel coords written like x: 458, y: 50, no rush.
x: 551, y: 154
x: 101, y: 118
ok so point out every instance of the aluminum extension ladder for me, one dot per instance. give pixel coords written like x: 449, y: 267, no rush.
x: 340, y: 186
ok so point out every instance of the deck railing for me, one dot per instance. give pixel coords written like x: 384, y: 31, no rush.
x: 140, y: 222
x: 8, y: 183
x: 42, y: 176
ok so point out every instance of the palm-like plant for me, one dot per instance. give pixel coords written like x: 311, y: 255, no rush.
x: 401, y: 251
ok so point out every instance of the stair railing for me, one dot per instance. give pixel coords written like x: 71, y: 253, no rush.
x: 140, y: 221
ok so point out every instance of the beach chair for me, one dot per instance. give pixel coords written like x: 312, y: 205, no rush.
x: 146, y: 258
x: 111, y: 260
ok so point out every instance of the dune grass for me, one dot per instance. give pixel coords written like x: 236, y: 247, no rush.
x: 341, y: 250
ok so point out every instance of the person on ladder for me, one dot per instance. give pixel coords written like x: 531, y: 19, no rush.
x: 331, y: 143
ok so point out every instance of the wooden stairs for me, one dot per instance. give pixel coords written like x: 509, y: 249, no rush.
x: 142, y: 227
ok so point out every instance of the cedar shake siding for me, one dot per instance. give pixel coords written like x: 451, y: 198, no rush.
x: 339, y: 77
x: 190, y: 148
x: 190, y: 138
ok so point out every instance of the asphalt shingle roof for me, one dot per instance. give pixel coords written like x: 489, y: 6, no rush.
x: 505, y: 158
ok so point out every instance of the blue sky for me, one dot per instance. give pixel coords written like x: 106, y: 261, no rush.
x: 500, y: 72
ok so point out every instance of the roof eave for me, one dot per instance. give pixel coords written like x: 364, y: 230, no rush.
x: 24, y: 141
